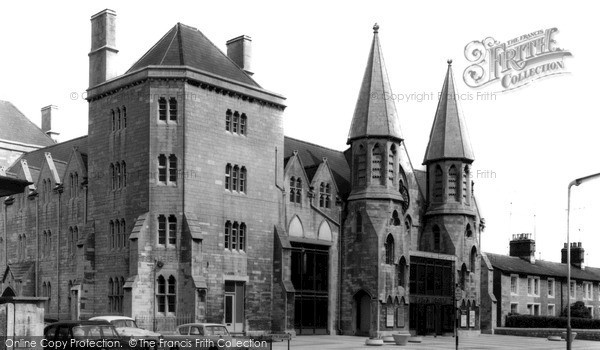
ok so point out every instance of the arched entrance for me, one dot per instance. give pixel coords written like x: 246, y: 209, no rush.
x: 362, y: 312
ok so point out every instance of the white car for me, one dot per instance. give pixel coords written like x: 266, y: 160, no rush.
x: 127, y: 328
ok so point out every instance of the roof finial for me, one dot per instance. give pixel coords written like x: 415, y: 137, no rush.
x: 449, y: 62
x: 376, y: 28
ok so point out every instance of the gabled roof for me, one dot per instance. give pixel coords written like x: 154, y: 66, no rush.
x: 449, y: 138
x: 187, y: 46
x: 512, y: 264
x: 17, y: 127
x: 375, y: 112
x: 312, y: 155
x: 60, y: 152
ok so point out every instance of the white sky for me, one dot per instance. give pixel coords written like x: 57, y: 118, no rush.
x: 535, y: 139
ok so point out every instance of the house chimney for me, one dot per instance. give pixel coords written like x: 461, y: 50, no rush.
x: 47, y: 113
x: 577, y: 255
x: 104, y: 51
x: 240, y: 51
x: 523, y: 246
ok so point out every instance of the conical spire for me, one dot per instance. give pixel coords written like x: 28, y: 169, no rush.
x: 449, y: 138
x: 375, y: 113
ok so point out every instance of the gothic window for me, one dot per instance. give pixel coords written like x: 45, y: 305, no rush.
x: 113, y: 174
x: 228, y: 116
x: 243, y: 120
x: 473, y: 259
x: 465, y: 183
x: 123, y: 172
x: 234, y: 178
x: 402, y: 272
x: 70, y: 242
x: 242, y: 186
x: 242, y: 237
x: 114, y: 119
x: 162, y: 109
x: 124, y: 117
x: 236, y: 122
x: 112, y: 238
x: 118, y: 118
x: 324, y: 195
x: 234, y: 236
x: 453, y: 184
x: 173, y: 169
x: 295, y: 190
x: 165, y: 294
x: 162, y: 230
x: 75, y: 239
x: 463, y: 277
x: 389, y: 249
x: 468, y: 231
x: 436, y: 239
x: 438, y: 186
x: 228, y: 169
x: 118, y: 174
x: 361, y: 166
x: 172, y: 229
x: 111, y: 295
x: 391, y: 161
x: 76, y: 183
x: 395, y: 220
x: 228, y: 235
x: 123, y: 234
x: 376, y: 162
x: 172, y: 109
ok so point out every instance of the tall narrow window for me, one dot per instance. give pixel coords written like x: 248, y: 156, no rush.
x: 234, y: 236
x: 361, y: 166
x: 70, y: 242
x: 72, y: 185
x: 242, y: 237
x: 161, y: 293
x: 473, y: 259
x: 76, y: 183
x: 228, y: 235
x: 236, y: 122
x: 243, y: 179
x: 389, y: 249
x: 162, y: 109
x: 114, y: 119
x: 172, y: 109
x: 162, y: 168
x: 438, y: 186
x: 228, y: 116
x: 171, y: 295
x: 465, y: 184
x: 243, y: 124
x: 123, y: 234
x: 118, y: 119
x: 391, y: 161
x: 402, y: 272
x: 376, y: 162
x: 118, y: 175
x: 75, y: 239
x: 124, y: 117
x: 228, y: 169
x: 172, y: 229
x: 322, y: 195
x: 452, y: 184
x: 123, y: 171
x: 395, y: 218
x: 113, y: 174
x: 118, y: 234
x: 298, y: 190
x: 162, y: 230
x: 234, y: 178
x: 111, y: 295
x: 436, y: 239
x: 173, y: 169
x: 112, y: 238
x: 292, y: 189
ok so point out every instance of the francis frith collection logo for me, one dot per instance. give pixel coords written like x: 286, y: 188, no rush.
x: 514, y: 63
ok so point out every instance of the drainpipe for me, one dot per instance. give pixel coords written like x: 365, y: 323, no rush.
x: 59, y: 190
x: 37, y: 244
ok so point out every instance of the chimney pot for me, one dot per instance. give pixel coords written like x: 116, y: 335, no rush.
x: 239, y: 50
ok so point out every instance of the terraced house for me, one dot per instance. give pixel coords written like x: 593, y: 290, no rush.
x: 185, y: 201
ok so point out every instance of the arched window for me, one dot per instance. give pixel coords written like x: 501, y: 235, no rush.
x: 118, y: 174
x: 437, y: 244
x: 76, y: 183
x: 376, y: 158
x: 391, y: 161
x: 453, y: 184
x: 228, y: 235
x: 465, y: 184
x: 113, y: 183
x: 389, y: 249
x: 395, y: 220
x: 118, y: 119
x: 243, y: 124
x: 171, y: 295
x: 172, y: 229
x: 114, y: 119
x: 161, y: 294
x: 361, y: 166
x: 123, y: 172
x: 118, y: 234
x: 473, y: 259
x: 228, y: 116
x: 111, y: 295
x: 162, y: 230
x: 162, y: 109
x: 407, y: 224
x: 438, y: 185
x: 243, y: 179
x: 124, y: 117
x: 235, y: 175
x: 242, y: 237
x: 292, y: 189
x: 173, y: 168
x: 123, y: 234
x: 228, y: 168
x: 236, y: 122
x: 468, y: 231
x: 402, y: 272
x: 75, y: 239
x: 463, y: 276
x: 234, y: 235
x: 70, y: 241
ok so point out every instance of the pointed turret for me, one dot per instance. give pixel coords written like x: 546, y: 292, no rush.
x: 375, y: 113
x: 449, y: 138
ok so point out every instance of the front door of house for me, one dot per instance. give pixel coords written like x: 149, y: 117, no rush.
x: 234, y: 306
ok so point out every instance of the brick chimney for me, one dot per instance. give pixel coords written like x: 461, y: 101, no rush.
x: 240, y: 51
x: 104, y: 51
x: 47, y: 113
x: 577, y: 255
x: 523, y: 246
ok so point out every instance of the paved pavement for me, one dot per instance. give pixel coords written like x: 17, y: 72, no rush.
x: 483, y: 342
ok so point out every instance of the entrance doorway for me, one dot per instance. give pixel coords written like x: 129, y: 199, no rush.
x: 362, y: 307
x: 234, y: 306
x: 310, y: 277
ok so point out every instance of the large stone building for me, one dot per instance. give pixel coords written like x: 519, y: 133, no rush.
x: 520, y: 284
x: 185, y: 201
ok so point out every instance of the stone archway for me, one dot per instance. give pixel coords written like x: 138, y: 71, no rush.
x: 362, y: 313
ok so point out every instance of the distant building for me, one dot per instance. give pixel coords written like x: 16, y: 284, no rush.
x: 520, y: 284
x: 186, y: 202
x: 20, y: 135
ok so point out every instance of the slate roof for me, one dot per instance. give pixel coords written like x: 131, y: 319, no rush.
x: 16, y: 127
x: 448, y: 137
x: 60, y: 152
x: 312, y: 155
x: 20, y: 270
x: 511, y: 264
x: 375, y: 112
x: 187, y: 46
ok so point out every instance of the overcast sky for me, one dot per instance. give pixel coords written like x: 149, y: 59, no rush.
x: 535, y: 139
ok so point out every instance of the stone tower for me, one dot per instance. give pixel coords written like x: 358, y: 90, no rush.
x: 374, y: 240
x: 451, y: 220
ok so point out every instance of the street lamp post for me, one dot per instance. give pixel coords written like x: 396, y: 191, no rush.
x: 575, y: 182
